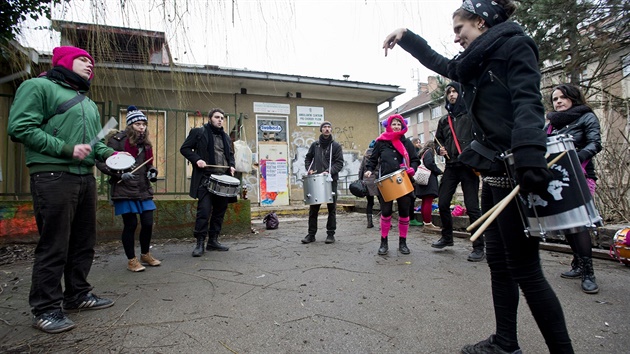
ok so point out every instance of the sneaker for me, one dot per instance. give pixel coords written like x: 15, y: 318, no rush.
x: 329, y: 239
x: 88, y: 302
x: 415, y: 222
x: 148, y: 259
x: 476, y: 256
x: 308, y: 239
x: 487, y: 346
x: 430, y: 227
x: 135, y: 266
x: 53, y: 322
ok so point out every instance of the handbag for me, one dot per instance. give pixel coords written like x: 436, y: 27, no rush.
x: 421, y: 177
x: 242, y: 156
x: 358, y: 189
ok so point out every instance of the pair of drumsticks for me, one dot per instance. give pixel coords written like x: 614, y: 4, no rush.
x: 493, y: 213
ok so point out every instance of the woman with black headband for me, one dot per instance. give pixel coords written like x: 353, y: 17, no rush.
x: 501, y: 81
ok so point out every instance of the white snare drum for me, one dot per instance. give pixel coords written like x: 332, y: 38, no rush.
x: 120, y: 163
x: 223, y: 185
x: 567, y: 207
x: 317, y: 189
x: 394, y: 185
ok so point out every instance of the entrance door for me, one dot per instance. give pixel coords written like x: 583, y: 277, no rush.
x: 273, y: 160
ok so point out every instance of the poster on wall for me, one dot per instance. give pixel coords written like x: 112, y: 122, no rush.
x: 273, y: 160
x: 310, y: 116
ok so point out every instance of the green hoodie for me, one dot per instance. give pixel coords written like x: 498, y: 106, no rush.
x: 49, y: 146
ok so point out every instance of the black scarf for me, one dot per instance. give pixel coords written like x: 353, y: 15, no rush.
x: 211, y: 130
x: 466, y: 65
x: 325, y: 142
x: 559, y: 120
x: 77, y: 82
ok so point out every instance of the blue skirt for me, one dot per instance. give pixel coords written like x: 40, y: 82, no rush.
x: 127, y: 206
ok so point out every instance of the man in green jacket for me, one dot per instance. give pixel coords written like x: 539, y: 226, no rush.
x: 57, y: 124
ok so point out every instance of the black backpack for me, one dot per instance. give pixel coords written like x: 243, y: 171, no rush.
x: 271, y: 221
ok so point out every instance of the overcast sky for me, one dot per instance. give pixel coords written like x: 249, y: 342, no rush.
x: 320, y: 38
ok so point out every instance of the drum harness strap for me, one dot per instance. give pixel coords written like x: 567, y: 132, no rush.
x: 329, y: 177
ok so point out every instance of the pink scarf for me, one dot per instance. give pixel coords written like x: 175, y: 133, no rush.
x: 394, y: 137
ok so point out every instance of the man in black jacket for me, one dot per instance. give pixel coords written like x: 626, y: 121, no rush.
x: 207, y: 148
x: 454, y: 133
x: 324, y: 156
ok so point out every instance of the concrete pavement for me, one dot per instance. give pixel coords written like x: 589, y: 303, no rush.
x: 272, y: 294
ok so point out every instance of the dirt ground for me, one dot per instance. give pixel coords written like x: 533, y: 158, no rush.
x: 272, y: 294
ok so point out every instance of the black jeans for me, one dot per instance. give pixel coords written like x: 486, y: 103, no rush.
x: 514, y: 262
x: 454, y: 175
x: 211, y: 210
x: 65, y: 213
x: 313, y: 211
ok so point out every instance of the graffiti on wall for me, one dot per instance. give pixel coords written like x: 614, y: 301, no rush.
x: 17, y: 220
x: 345, y: 137
x: 301, y: 142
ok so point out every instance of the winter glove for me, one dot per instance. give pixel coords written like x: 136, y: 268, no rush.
x: 411, y: 171
x: 152, y: 174
x: 533, y: 179
x: 583, y: 155
x: 128, y: 176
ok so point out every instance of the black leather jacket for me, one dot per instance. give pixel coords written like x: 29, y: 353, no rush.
x: 587, y: 138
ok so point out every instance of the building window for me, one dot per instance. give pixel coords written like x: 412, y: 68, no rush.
x: 421, y: 137
x: 420, y: 117
x: 436, y: 112
x: 156, y: 126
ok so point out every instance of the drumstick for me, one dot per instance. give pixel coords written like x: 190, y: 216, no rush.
x: 137, y: 168
x: 207, y: 166
x: 440, y: 145
x: 497, y: 209
x: 489, y: 212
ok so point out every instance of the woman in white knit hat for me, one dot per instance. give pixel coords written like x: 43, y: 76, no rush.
x: 132, y: 193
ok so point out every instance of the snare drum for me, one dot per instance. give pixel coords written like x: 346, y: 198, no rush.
x: 567, y: 207
x: 620, y: 249
x: 394, y: 185
x: 317, y: 189
x: 120, y: 163
x: 223, y: 185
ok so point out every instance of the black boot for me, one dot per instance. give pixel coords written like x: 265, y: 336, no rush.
x: 198, y: 251
x: 308, y: 239
x: 589, y: 285
x: 383, y: 249
x: 214, y: 245
x: 443, y: 242
x: 369, y: 220
x: 402, y: 245
x: 575, y: 271
x: 330, y: 238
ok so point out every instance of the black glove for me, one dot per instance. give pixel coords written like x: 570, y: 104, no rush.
x: 128, y: 176
x: 583, y: 155
x: 533, y: 179
x: 152, y: 174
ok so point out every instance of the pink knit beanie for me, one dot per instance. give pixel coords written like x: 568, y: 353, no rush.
x: 64, y: 56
